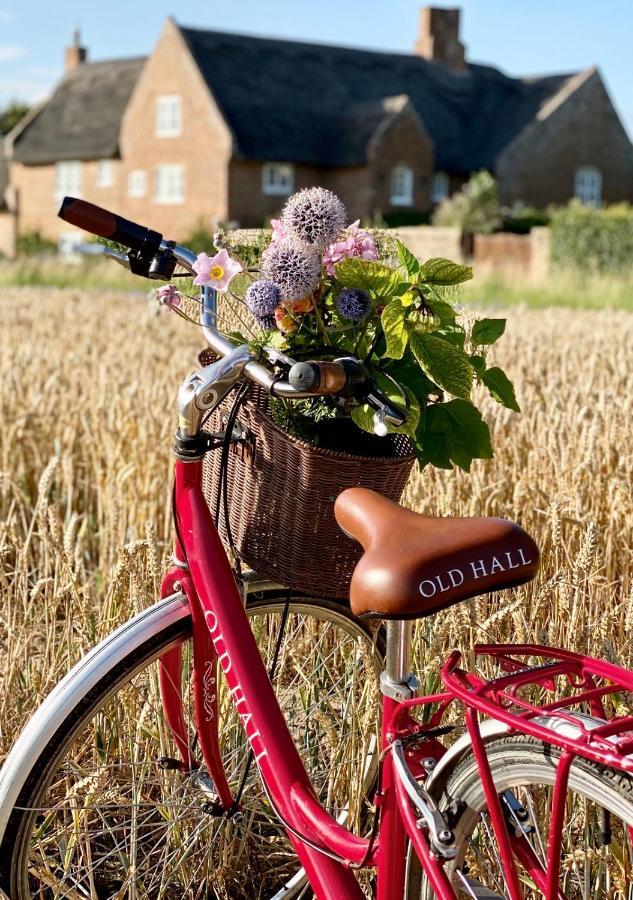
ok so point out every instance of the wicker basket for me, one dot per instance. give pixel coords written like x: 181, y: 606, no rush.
x: 281, y: 493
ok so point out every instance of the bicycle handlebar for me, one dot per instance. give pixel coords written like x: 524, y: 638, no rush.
x: 106, y: 224
x: 307, y: 379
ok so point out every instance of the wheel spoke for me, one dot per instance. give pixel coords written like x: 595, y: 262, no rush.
x: 110, y: 823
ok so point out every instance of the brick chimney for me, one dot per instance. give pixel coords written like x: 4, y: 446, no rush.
x: 74, y: 55
x: 438, y: 37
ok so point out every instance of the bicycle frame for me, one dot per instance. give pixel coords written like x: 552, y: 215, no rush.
x: 328, y: 852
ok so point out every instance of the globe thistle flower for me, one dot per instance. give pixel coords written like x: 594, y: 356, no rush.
x: 314, y: 216
x: 353, y: 304
x: 262, y: 298
x: 293, y: 267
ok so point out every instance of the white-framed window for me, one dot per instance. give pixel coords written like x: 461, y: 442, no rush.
x: 168, y: 115
x: 104, y: 173
x: 401, y: 186
x: 67, y: 179
x: 278, y: 179
x: 137, y: 183
x: 588, y: 186
x: 169, y: 184
x: 439, y: 187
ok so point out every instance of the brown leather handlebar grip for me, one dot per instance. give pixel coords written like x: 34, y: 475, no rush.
x: 319, y: 377
x: 106, y: 224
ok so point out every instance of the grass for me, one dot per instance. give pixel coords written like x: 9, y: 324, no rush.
x: 89, y: 273
x: 87, y: 403
x: 563, y: 288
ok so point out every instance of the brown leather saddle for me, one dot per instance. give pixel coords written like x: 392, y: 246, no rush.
x: 414, y: 565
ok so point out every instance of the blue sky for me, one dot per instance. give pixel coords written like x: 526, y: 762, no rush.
x: 519, y: 36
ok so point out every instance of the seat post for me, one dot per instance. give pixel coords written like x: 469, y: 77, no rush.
x: 397, y: 681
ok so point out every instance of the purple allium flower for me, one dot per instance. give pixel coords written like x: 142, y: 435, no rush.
x: 353, y: 304
x: 315, y: 216
x: 262, y: 298
x: 293, y: 267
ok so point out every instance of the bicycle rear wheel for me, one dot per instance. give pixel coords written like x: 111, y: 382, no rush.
x: 595, y: 865
x: 97, y: 817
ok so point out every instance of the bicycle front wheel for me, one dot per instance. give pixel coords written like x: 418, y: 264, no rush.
x: 596, y: 860
x: 98, y: 817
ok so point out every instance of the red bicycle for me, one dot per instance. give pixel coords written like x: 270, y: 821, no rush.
x: 134, y: 778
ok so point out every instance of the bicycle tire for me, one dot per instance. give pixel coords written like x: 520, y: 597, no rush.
x: 26, y: 814
x: 518, y: 762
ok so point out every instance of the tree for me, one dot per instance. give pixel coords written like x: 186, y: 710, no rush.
x: 475, y: 208
x: 11, y: 115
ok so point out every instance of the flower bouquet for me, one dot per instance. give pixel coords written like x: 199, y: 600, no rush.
x: 321, y: 290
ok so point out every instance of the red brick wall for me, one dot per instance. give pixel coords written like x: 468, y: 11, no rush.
x: 249, y: 205
x: 204, y: 146
x: 403, y: 142
x: 539, y: 166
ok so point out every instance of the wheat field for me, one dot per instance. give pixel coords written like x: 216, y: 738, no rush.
x: 88, y: 382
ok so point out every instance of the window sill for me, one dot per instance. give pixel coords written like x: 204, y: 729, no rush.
x: 400, y: 201
x: 271, y: 192
x: 169, y: 201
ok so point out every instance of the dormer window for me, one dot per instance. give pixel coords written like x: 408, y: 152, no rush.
x: 401, y: 186
x: 168, y: 116
x: 588, y: 186
x: 278, y: 179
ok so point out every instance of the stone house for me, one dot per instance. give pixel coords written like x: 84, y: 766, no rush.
x: 218, y: 127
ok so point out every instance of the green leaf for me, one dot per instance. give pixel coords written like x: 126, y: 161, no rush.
x: 440, y: 308
x: 444, y: 271
x: 478, y: 363
x: 448, y: 366
x: 408, y: 298
x: 407, y: 259
x: 408, y: 373
x: 457, y: 431
x: 394, y: 326
x: 500, y: 388
x: 237, y: 337
x: 487, y: 331
x: 453, y: 335
x: 366, y: 275
x: 363, y: 416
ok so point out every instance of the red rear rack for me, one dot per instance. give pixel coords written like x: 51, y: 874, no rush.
x: 572, y: 690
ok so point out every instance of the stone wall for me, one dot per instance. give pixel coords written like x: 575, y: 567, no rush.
x: 527, y: 254
x: 427, y: 241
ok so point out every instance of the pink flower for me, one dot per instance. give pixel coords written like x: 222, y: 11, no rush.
x: 357, y: 242
x: 216, y: 271
x: 169, y: 295
x: 278, y: 232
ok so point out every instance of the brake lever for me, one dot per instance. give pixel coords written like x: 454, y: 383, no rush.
x: 385, y: 414
x: 120, y: 258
